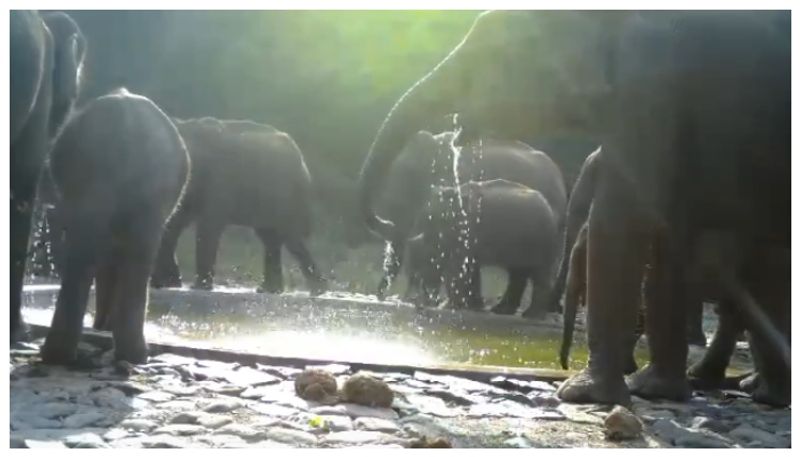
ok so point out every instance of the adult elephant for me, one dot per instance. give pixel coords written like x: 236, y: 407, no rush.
x: 487, y: 223
x: 243, y: 173
x: 667, y: 94
x: 427, y: 160
x: 120, y: 167
x: 46, y: 54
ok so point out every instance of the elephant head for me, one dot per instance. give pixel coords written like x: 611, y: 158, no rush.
x: 69, y: 52
x: 495, y: 88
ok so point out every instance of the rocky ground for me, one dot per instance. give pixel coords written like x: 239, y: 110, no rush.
x: 178, y: 402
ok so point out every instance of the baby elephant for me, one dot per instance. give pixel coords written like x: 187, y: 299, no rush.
x: 488, y: 223
x: 120, y: 167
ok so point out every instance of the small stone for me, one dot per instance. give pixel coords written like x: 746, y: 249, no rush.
x: 363, y: 389
x: 376, y: 425
x: 81, y: 420
x: 316, y: 385
x: 622, y: 424
x: 518, y: 442
x: 115, y: 434
x: 164, y: 441
x: 37, y: 444
x: 110, y: 398
x: 85, y: 440
x: 186, y: 417
x: 180, y: 429
x: 360, y: 437
x: 223, y: 405
x: 427, y: 442
x: 225, y: 389
x: 354, y: 410
x: 288, y: 435
x: 138, y: 425
x: 242, y: 431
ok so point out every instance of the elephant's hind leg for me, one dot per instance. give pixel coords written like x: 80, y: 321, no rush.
x: 316, y: 283
x: 166, y: 272
x: 709, y: 371
x: 273, y: 270
x: 105, y: 283
x: 209, y: 234
x: 517, y: 281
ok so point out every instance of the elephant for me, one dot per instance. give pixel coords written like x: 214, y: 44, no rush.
x: 427, y: 160
x: 248, y: 174
x: 46, y: 56
x: 666, y: 94
x: 487, y: 223
x: 120, y: 168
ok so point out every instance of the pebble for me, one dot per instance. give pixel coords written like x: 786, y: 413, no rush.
x: 376, y: 425
x: 364, y: 389
x: 622, y: 424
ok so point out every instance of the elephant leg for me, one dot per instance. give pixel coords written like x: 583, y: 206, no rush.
x: 84, y: 243
x: 665, y: 323
x: 316, y: 283
x: 134, y: 262
x: 616, y: 253
x: 542, y: 289
x: 105, y: 284
x: 694, y: 321
x: 709, y: 371
x: 770, y: 282
x: 166, y: 271
x: 22, y: 200
x: 630, y: 356
x: 273, y: 271
x: 207, y: 244
x: 517, y: 281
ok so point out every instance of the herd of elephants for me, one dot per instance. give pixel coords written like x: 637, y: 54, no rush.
x: 686, y: 199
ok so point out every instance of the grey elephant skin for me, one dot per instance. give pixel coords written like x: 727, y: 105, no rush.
x: 427, y: 160
x: 248, y: 174
x: 46, y: 54
x: 693, y: 112
x: 487, y: 223
x: 120, y: 167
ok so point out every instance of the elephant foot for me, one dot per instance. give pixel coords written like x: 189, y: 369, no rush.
x: 203, y: 285
x: 589, y: 387
x: 504, y: 308
x: 59, y: 348
x: 133, y: 350
x: 704, y: 377
x: 750, y: 382
x: 651, y: 385
x: 164, y: 282
x: 768, y: 394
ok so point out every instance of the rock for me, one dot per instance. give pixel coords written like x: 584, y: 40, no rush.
x: 56, y: 410
x: 673, y: 433
x: 748, y: 433
x: 376, y: 425
x: 37, y: 444
x: 360, y: 437
x: 250, y: 377
x: 522, y: 386
x: 363, y: 389
x: 243, y: 431
x: 180, y: 429
x: 354, y: 410
x: 129, y: 388
x: 187, y: 417
x: 213, y: 421
x: 252, y: 393
x: 316, y: 385
x: 223, y: 405
x: 178, y: 405
x: 181, y: 391
x: 622, y: 424
x: 223, y: 441
x: 85, y: 440
x: 702, y: 440
x: 427, y: 442
x: 714, y: 425
x: 291, y: 436
x: 115, y: 434
x: 110, y: 398
x: 651, y: 415
x: 84, y: 419
x: 518, y: 442
x: 329, y: 410
x: 26, y: 422
x: 225, y: 389
x: 272, y: 410
x: 164, y: 441
x: 138, y: 425
x: 431, y: 405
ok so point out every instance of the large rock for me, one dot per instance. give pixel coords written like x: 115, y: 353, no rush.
x: 363, y: 389
x: 622, y: 424
x: 316, y: 385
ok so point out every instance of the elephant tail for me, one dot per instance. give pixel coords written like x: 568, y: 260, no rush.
x: 576, y: 292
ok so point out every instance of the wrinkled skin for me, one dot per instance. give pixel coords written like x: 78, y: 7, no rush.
x: 666, y: 94
x: 45, y: 65
x: 120, y: 167
x: 506, y: 225
x: 246, y: 174
x: 427, y: 160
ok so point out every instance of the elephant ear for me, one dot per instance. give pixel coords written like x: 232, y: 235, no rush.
x: 69, y: 54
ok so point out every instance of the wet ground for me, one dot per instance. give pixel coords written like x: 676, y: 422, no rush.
x: 176, y: 402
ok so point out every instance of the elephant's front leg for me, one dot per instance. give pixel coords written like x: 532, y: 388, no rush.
x: 709, y: 372
x: 616, y: 253
x: 665, y: 323
x: 209, y: 234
